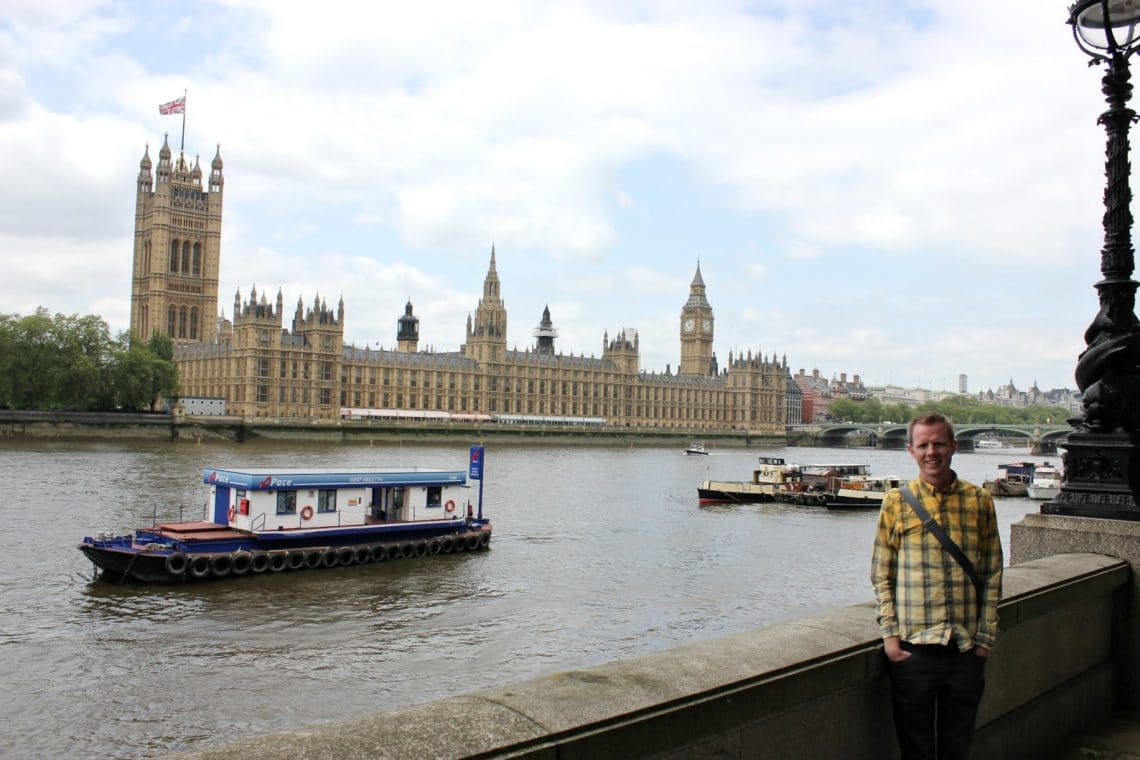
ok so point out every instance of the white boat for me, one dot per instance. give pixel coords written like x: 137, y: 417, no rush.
x: 268, y: 521
x: 862, y: 491
x: 696, y: 447
x: 987, y: 443
x: 767, y: 478
x: 1046, y: 483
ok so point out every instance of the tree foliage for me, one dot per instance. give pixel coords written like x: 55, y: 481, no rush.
x: 55, y: 362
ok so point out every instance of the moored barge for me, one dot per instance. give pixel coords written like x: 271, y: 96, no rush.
x: 275, y: 520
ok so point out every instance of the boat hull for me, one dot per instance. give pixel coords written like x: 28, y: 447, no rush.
x: 137, y: 558
x: 1006, y: 488
x: 1043, y: 493
x: 734, y: 492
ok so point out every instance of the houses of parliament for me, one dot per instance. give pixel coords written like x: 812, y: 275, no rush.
x: 265, y: 363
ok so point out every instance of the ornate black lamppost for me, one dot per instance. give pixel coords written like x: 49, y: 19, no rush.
x: 1102, y: 459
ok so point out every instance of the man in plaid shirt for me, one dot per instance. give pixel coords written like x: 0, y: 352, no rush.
x: 937, y: 628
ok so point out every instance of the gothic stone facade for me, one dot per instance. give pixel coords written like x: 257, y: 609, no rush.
x: 177, y: 249
x: 264, y: 367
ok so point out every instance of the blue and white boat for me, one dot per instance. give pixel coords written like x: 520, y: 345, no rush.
x: 266, y: 521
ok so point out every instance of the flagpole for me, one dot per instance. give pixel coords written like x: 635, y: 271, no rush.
x: 182, y: 145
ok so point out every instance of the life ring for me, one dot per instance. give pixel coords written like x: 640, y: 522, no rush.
x: 230, y: 516
x: 450, y: 506
x: 307, y: 513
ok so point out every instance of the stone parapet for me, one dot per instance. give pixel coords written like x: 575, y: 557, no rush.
x: 812, y: 687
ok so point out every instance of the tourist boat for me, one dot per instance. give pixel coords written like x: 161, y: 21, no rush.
x: 1046, y: 483
x: 696, y: 447
x: 766, y: 479
x: 1013, y: 480
x: 987, y: 443
x: 861, y: 491
x: 268, y: 521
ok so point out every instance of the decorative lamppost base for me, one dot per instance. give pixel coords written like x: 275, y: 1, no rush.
x: 1102, y: 477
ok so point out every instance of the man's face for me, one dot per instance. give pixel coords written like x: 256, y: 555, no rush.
x: 932, y: 448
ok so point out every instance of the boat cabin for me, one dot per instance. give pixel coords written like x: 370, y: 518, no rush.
x: 266, y: 500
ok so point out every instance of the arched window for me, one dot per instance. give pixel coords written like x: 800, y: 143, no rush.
x: 197, y: 266
x: 173, y: 255
x: 194, y: 323
x: 171, y: 315
x: 186, y: 257
x: 182, y: 322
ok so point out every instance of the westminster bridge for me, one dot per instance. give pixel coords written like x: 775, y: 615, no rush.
x: 1038, y: 439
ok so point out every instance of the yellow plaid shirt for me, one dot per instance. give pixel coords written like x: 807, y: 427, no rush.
x: 923, y: 595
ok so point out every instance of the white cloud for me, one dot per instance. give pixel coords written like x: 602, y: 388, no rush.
x: 811, y: 136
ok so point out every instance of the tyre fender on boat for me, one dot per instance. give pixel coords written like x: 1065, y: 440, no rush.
x: 330, y: 558
x: 240, y: 563
x: 295, y: 560
x: 313, y: 558
x: 484, y: 540
x: 378, y: 553
x: 434, y: 546
x: 472, y: 543
x: 407, y: 550
x: 307, y: 513
x: 200, y: 567
x: 446, y: 545
x: 177, y: 563
x: 220, y: 565
x: 361, y: 555
x: 346, y: 555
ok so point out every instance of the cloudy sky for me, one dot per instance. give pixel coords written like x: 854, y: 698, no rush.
x: 907, y: 190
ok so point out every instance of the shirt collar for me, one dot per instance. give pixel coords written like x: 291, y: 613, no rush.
x: 927, y: 488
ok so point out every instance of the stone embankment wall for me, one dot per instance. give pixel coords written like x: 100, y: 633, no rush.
x: 27, y: 424
x: 809, y: 688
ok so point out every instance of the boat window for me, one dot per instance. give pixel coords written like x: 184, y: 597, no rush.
x: 434, y: 496
x: 398, y: 497
x: 286, y: 502
x: 326, y: 500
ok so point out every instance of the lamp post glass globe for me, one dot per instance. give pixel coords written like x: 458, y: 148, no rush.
x: 1106, y: 26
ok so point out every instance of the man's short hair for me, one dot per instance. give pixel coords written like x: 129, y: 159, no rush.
x: 929, y: 418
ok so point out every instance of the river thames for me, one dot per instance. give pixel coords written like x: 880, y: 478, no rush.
x: 598, y: 554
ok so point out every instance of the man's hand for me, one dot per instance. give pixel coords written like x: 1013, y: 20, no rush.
x: 894, y: 651
x: 981, y: 652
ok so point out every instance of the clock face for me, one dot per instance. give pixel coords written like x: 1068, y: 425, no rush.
x: 707, y: 325
x: 689, y: 324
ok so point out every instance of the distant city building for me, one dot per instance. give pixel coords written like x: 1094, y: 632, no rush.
x: 263, y: 365
x: 962, y: 384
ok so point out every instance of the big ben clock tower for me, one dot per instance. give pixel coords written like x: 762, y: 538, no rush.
x: 696, y: 330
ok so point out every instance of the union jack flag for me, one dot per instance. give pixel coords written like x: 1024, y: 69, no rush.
x: 174, y: 106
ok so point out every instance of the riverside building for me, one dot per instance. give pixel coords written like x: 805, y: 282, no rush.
x: 265, y: 364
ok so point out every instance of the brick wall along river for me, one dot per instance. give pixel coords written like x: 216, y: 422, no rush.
x: 598, y: 554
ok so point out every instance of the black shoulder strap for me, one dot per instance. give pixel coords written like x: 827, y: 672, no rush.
x: 932, y: 525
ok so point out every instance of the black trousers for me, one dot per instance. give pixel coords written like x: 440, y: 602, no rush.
x: 935, y: 694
